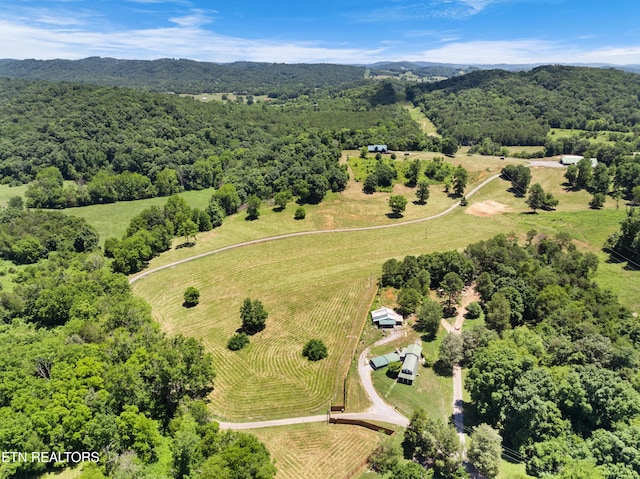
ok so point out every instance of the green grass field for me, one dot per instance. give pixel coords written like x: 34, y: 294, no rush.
x: 600, y: 137
x: 313, y: 286
x: 421, y: 119
x: 7, y: 192
x: 318, y: 450
x: 111, y: 220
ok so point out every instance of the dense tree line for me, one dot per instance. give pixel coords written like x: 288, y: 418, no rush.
x: 118, y: 144
x: 519, y: 108
x: 555, y: 368
x: 27, y: 236
x: 187, y: 76
x: 83, y: 367
x: 560, y: 381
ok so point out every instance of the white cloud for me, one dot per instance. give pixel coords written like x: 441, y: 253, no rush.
x: 195, y: 19
x: 19, y: 40
x: 526, y: 51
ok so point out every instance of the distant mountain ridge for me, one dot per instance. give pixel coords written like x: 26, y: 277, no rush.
x: 254, y: 78
x: 186, y: 76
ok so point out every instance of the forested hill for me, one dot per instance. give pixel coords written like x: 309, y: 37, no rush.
x: 186, y: 76
x: 519, y: 108
x: 98, y: 135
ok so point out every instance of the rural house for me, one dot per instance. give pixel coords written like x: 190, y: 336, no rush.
x: 386, y: 318
x: 410, y: 359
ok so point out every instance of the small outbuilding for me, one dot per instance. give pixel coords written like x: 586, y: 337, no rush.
x: 383, y: 361
x: 570, y: 159
x: 377, y: 149
x: 575, y: 159
x: 386, y: 318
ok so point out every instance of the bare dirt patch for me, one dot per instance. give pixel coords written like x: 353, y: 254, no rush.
x: 487, y: 208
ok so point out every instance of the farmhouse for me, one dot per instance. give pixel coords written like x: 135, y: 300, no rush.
x: 410, y: 359
x: 377, y: 149
x: 383, y: 361
x: 386, y: 318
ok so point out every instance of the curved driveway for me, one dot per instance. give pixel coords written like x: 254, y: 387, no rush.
x: 380, y: 410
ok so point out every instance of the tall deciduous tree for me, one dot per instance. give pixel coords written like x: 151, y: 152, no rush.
x: 498, y: 315
x: 452, y: 286
x: 428, y: 317
x: 253, y: 316
x: 433, y: 441
x: 253, y: 207
x: 422, y: 191
x: 460, y: 178
x: 397, y: 203
x: 485, y: 450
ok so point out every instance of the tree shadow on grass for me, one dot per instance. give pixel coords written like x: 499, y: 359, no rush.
x: 187, y: 244
x: 442, y: 369
x: 394, y: 216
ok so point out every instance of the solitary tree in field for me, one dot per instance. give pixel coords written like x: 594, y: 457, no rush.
x: 281, y: 199
x: 539, y: 200
x: 571, y: 175
x: 412, y: 172
x: 238, y: 341
x: 397, y: 203
x: 422, y: 191
x: 460, y: 178
x: 315, y: 350
x: 300, y: 213
x: 253, y: 316
x: 253, y: 207
x: 597, y: 201
x: 191, y: 297
x: 188, y: 230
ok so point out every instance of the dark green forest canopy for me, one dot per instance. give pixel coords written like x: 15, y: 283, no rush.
x: 262, y: 149
x: 187, y: 76
x: 555, y: 368
x: 519, y: 108
x: 83, y: 367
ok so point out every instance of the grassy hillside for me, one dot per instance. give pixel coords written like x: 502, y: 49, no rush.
x: 317, y: 286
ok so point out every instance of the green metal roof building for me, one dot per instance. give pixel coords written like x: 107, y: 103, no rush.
x: 382, y: 361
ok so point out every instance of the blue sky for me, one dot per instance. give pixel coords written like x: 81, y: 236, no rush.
x: 345, y: 31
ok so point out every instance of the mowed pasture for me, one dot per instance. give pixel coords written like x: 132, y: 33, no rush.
x: 348, y: 209
x: 312, y: 286
x: 320, y: 286
x: 318, y: 450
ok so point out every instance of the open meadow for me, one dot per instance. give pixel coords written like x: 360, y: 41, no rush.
x: 322, y: 285
x: 318, y: 450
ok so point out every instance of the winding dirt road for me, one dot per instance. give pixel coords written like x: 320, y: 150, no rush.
x: 148, y: 272
x: 380, y: 410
